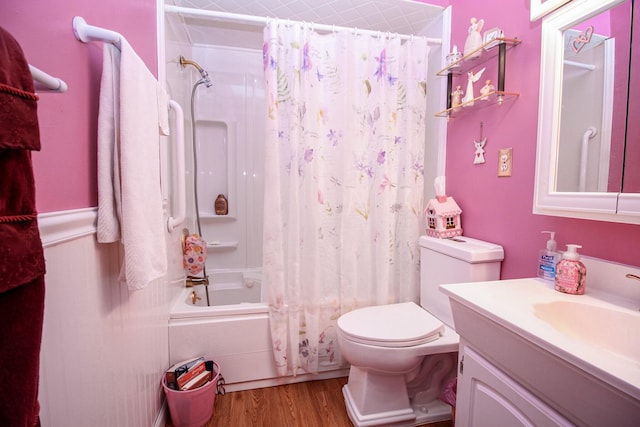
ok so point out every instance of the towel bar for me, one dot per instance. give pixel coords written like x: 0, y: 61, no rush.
x: 86, y: 33
x: 46, y: 82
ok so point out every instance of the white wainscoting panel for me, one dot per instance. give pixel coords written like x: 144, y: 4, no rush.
x: 104, y: 348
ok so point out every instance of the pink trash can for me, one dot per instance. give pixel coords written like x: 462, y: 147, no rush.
x: 192, y: 408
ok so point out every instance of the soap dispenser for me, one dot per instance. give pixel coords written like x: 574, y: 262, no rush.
x: 571, y: 273
x: 548, y: 258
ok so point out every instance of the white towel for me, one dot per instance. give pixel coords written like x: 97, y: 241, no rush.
x: 108, y: 229
x: 133, y: 111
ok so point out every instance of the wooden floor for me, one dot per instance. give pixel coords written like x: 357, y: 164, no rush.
x: 308, y: 404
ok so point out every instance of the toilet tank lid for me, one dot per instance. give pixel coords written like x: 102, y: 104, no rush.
x: 464, y: 248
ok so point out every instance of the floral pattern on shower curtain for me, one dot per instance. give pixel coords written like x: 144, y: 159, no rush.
x: 344, y: 181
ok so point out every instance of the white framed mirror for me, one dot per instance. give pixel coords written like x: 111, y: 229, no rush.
x: 584, y: 81
x: 540, y: 8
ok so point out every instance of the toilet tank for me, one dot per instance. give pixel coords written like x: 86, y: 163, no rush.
x: 456, y: 260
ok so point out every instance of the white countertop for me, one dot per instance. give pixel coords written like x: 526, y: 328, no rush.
x: 511, y: 303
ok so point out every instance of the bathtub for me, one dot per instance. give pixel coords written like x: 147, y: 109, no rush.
x: 231, y: 292
x: 233, y: 331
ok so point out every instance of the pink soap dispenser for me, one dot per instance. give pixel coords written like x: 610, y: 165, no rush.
x: 571, y: 273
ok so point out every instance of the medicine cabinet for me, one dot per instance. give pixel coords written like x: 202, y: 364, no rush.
x: 585, y: 164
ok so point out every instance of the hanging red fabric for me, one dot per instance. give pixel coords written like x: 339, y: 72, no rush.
x: 22, y: 264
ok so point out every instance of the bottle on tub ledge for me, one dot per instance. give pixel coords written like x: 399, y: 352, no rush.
x: 221, y: 206
x: 571, y: 273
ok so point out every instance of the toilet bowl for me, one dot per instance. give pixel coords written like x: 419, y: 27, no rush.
x: 386, y: 346
x: 401, y: 355
x: 388, y: 336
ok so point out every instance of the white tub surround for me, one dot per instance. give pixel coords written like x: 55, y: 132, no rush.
x: 574, y: 358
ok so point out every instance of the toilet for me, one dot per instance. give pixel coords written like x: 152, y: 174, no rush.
x: 402, y: 355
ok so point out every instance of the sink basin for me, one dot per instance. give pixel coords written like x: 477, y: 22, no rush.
x: 609, y: 328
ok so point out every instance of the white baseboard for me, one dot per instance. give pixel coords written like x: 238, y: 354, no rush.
x: 272, y: 382
x: 163, y: 417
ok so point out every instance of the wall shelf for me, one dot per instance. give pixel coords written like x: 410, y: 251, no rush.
x: 491, y: 98
x: 222, y: 245
x: 208, y: 216
x: 497, y: 47
x: 465, y: 64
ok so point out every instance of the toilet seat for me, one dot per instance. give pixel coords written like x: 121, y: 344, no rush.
x: 394, y: 325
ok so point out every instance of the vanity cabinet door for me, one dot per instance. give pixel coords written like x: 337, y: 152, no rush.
x: 486, y: 397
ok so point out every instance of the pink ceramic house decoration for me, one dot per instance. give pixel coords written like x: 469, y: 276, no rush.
x: 443, y: 217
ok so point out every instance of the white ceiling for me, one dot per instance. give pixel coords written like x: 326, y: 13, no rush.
x: 395, y: 16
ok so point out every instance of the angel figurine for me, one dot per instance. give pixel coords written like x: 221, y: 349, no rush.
x: 467, y: 101
x: 456, y: 100
x: 479, y: 154
x: 487, y: 89
x: 474, y: 39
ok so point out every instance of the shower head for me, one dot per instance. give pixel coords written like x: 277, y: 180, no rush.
x: 205, y: 76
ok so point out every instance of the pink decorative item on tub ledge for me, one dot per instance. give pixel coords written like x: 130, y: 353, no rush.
x: 443, y: 215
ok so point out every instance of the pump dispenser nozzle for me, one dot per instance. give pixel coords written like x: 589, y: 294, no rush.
x: 551, y: 243
x: 572, y: 252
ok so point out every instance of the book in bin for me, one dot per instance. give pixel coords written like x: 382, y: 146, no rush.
x: 189, y: 374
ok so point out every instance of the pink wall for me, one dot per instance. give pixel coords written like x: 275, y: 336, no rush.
x: 499, y: 209
x: 495, y: 209
x: 65, y: 167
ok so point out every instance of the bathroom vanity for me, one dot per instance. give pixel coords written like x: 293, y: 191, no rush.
x: 487, y: 396
x: 530, y: 355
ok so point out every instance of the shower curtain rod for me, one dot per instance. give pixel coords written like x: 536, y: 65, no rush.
x: 260, y: 20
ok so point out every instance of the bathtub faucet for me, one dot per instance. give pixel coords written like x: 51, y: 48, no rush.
x: 194, y: 297
x: 194, y: 281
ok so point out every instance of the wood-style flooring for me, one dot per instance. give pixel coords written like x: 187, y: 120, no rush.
x: 306, y: 404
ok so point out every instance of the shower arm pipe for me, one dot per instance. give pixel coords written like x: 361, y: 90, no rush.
x: 174, y: 221
x: 260, y: 20
x: 86, y: 33
x: 184, y: 62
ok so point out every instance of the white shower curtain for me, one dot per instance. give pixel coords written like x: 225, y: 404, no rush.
x: 344, y: 182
